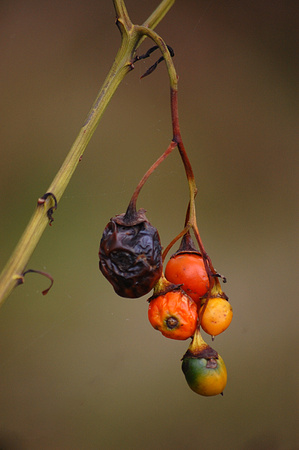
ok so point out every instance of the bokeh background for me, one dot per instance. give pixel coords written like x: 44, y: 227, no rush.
x: 82, y: 368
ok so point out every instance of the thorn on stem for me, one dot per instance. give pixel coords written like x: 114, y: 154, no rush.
x: 51, y: 210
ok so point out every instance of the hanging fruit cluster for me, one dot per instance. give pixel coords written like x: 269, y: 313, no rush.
x: 184, y: 300
x: 187, y: 295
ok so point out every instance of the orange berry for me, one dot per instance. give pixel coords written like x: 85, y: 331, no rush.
x: 189, y: 270
x: 174, y: 314
x: 217, y: 316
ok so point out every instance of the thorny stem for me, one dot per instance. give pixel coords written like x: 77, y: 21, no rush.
x: 132, y: 36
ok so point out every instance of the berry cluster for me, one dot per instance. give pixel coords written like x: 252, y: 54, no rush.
x: 184, y: 300
x: 187, y: 296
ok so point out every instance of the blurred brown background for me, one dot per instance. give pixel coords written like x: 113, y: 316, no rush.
x: 82, y: 368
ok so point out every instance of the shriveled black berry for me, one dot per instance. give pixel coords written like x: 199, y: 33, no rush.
x: 130, y: 255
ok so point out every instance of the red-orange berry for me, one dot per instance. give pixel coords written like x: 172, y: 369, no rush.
x: 188, y: 269
x: 173, y: 313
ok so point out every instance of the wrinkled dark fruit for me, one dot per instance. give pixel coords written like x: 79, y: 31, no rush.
x: 130, y: 255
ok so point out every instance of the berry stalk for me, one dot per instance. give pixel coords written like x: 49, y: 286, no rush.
x: 132, y: 205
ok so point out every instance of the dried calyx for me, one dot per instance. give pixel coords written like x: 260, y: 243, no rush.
x: 200, y: 349
x: 187, y: 245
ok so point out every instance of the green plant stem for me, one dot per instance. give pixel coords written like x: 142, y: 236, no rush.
x: 132, y: 36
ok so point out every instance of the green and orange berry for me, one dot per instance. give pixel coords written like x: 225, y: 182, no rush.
x: 203, y: 367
